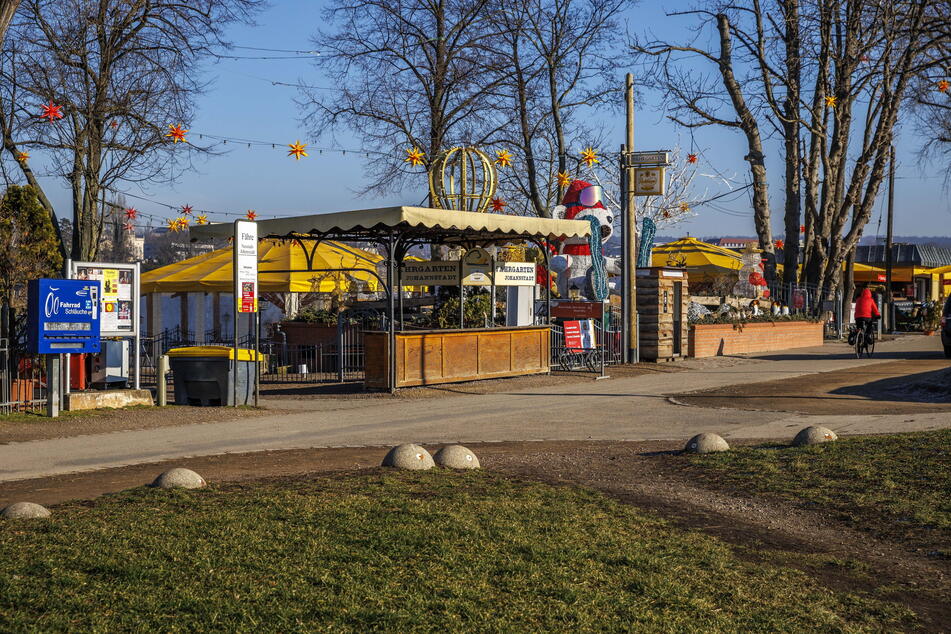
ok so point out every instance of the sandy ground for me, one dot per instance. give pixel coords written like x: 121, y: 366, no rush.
x: 909, y: 386
x: 649, y: 475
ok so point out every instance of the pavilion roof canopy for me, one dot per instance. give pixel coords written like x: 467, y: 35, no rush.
x: 414, y: 223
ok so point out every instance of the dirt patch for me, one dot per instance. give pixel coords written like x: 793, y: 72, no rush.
x: 25, y: 427
x: 647, y: 474
x: 910, y: 386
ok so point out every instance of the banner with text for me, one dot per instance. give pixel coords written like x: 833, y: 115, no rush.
x: 246, y: 266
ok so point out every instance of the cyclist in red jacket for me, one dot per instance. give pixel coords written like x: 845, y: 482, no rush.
x: 866, y: 310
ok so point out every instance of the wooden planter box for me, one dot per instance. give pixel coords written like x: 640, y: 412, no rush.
x: 300, y: 333
x: 430, y: 357
x: 710, y: 340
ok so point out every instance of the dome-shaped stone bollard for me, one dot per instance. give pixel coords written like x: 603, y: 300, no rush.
x: 456, y: 457
x: 814, y: 435
x: 408, y: 456
x: 706, y: 443
x: 179, y: 478
x: 23, y: 511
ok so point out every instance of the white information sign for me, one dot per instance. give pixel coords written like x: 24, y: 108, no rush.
x: 246, y: 266
x: 515, y: 274
x: 119, y: 301
x: 649, y: 181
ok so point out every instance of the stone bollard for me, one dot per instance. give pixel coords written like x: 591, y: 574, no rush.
x: 706, y: 443
x: 179, y: 478
x: 814, y: 435
x: 23, y: 511
x: 456, y: 457
x: 408, y: 456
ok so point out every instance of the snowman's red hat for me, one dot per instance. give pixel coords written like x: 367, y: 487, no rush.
x: 579, y: 196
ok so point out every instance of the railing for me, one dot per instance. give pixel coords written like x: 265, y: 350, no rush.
x: 608, y: 342
x: 22, y: 382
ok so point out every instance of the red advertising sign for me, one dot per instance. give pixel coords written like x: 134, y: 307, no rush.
x: 572, y: 334
x: 881, y: 278
x: 249, y: 299
x: 577, y: 310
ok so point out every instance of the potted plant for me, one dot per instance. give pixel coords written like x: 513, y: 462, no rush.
x: 930, y: 317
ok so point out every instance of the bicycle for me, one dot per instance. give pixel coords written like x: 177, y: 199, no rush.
x: 578, y: 358
x: 864, y: 340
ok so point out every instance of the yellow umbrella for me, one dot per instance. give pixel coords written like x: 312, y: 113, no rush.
x: 213, y: 271
x: 701, y: 259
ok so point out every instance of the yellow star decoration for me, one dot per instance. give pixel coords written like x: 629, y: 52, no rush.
x: 414, y: 157
x: 589, y: 156
x: 182, y: 223
x: 297, y: 150
x: 177, y: 133
x: 684, y: 206
x: 23, y: 156
x: 830, y: 101
x: 503, y: 158
x: 201, y: 219
x: 944, y: 85
x: 172, y: 224
x: 564, y: 179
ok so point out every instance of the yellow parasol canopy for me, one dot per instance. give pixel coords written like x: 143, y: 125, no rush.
x: 212, y: 271
x: 698, y: 257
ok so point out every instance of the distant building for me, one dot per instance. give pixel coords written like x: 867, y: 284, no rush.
x: 735, y: 243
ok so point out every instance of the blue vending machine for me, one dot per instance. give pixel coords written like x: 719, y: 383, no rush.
x: 63, y: 316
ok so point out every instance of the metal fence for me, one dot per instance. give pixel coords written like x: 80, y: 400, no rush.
x: 22, y: 381
x: 608, y: 342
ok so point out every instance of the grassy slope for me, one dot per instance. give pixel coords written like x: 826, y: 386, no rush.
x: 397, y: 551
x: 895, y: 486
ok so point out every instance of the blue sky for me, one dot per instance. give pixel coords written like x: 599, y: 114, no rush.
x: 242, y: 102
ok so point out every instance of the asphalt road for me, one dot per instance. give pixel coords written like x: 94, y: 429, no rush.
x: 634, y: 408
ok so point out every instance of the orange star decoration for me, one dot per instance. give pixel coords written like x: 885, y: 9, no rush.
x: 503, y: 158
x: 176, y: 133
x: 666, y: 214
x: 250, y: 215
x: 779, y: 244
x: 114, y: 124
x: 201, y: 219
x: 414, y: 157
x: 52, y: 112
x: 691, y: 158
x: 131, y: 213
x: 944, y: 85
x: 830, y: 101
x: 684, y: 206
x: 564, y: 179
x: 589, y: 156
x: 297, y: 149
x: 128, y: 226
x: 172, y: 224
x: 498, y: 204
x: 186, y: 210
x: 23, y: 156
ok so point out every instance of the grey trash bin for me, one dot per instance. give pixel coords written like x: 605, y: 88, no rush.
x: 202, y: 375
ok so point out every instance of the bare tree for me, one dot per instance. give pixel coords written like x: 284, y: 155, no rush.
x: 558, y: 58
x: 122, y: 72
x: 409, y: 73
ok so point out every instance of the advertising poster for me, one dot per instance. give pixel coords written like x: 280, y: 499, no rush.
x: 246, y: 266
x: 117, y: 284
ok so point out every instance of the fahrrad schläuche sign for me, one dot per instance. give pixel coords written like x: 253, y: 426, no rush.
x: 64, y: 316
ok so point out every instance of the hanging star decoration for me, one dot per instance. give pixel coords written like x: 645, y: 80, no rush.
x: 297, y: 149
x: 564, y: 179
x: 128, y: 226
x: 944, y: 85
x: 131, y: 213
x: 498, y: 204
x: 830, y: 101
x: 51, y: 111
x: 802, y: 228
x: 172, y: 224
x: 114, y: 124
x: 589, y: 156
x: 684, y: 206
x: 176, y: 133
x: 414, y: 157
x: 186, y: 210
x: 201, y: 219
x: 691, y: 158
x: 779, y: 244
x: 666, y: 214
x: 182, y: 223
x: 503, y: 158
x: 23, y: 156
x: 250, y: 215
